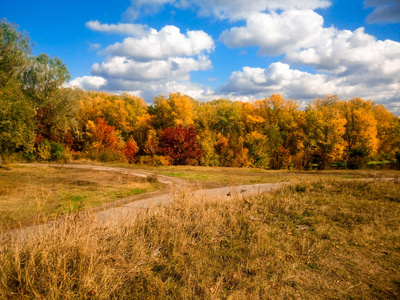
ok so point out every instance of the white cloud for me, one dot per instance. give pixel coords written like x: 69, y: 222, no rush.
x: 280, y: 78
x: 353, y: 55
x: 168, y: 42
x: 120, y: 28
x: 386, y: 11
x: 176, y: 68
x: 277, y: 33
x: 149, y: 61
x: 89, y: 82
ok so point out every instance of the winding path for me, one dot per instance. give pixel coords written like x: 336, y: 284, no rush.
x: 130, y: 205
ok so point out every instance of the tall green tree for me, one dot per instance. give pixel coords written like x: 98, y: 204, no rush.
x: 55, y: 107
x: 16, y: 112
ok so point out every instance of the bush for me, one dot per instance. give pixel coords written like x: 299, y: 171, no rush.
x: 357, y: 159
x: 130, y: 151
x: 156, y: 160
x: 44, y: 151
x: 57, y: 151
x: 107, y: 155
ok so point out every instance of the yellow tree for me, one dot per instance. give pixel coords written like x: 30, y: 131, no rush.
x: 361, y: 131
x: 325, y: 130
x: 283, y: 126
x: 176, y: 110
x: 122, y: 112
x: 385, y: 132
x: 250, y: 117
x: 361, y: 126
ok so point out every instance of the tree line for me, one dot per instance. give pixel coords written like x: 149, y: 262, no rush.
x: 42, y: 120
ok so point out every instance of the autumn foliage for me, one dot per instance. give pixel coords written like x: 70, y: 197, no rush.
x: 36, y: 109
x: 130, y: 151
x: 180, y: 144
x: 102, y: 134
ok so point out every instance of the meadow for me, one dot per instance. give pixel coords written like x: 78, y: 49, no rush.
x: 31, y: 194
x: 321, y: 237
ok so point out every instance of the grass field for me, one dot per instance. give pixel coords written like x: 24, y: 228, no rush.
x: 27, y: 193
x: 326, y: 239
x: 236, y: 176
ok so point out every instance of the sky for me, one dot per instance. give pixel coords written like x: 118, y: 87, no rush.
x: 211, y: 49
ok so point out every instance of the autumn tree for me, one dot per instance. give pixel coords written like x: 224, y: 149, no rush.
x: 360, y: 131
x: 257, y: 144
x: 386, y: 132
x: 284, y: 128
x: 180, y: 144
x: 130, y: 151
x: 173, y: 111
x: 325, y: 130
x: 226, y: 118
x: 102, y: 135
x: 120, y: 111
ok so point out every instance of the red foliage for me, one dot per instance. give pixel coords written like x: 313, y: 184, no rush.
x: 104, y: 135
x: 180, y: 144
x: 68, y: 140
x: 130, y: 151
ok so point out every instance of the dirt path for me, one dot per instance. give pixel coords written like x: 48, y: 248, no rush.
x: 173, y: 188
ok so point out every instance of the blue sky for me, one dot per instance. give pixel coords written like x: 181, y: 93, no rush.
x: 241, y: 50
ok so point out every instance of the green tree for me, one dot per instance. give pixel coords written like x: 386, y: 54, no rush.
x: 55, y: 107
x: 16, y: 112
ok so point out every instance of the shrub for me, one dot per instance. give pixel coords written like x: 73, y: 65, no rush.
x: 108, y: 155
x: 357, y: 159
x: 57, y: 150
x: 44, y: 151
x: 130, y: 151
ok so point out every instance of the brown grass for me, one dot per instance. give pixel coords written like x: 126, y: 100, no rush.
x: 27, y: 193
x: 222, y: 176
x: 320, y: 240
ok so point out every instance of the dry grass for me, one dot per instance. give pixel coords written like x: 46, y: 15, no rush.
x: 223, y: 176
x: 320, y: 240
x: 213, y: 176
x: 29, y: 192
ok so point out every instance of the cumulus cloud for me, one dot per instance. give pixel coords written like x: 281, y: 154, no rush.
x: 277, y: 78
x: 120, y: 28
x: 168, y: 42
x: 353, y: 54
x: 277, y: 33
x: 177, y: 68
x: 291, y: 83
x: 386, y: 11
x: 149, y: 61
x: 89, y: 82
x: 349, y: 63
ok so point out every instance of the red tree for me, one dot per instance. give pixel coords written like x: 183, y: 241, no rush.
x: 104, y: 135
x: 130, y: 151
x: 180, y: 144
